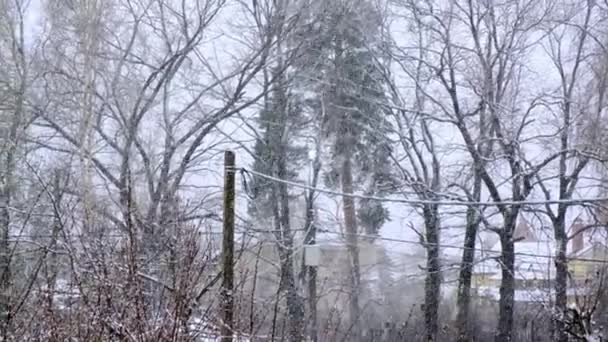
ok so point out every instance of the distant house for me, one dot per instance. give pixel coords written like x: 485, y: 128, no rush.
x: 532, y: 266
x: 534, y: 270
x: 588, y: 254
x: 261, y: 260
x: 388, y: 271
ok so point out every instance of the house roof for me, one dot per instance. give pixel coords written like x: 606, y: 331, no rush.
x: 589, y: 237
x: 533, y: 257
x: 589, y: 245
x: 524, y: 231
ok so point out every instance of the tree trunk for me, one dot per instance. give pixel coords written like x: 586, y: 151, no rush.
x: 310, y: 272
x: 464, y: 279
x: 312, y: 302
x: 295, y: 305
x: 507, y: 285
x: 52, y: 263
x: 5, y: 221
x: 4, y: 264
x: 294, y: 302
x: 7, y: 169
x: 561, y: 279
x: 466, y: 268
x: 432, y: 284
x: 350, y: 220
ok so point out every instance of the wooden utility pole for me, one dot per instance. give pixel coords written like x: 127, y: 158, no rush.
x: 227, y: 290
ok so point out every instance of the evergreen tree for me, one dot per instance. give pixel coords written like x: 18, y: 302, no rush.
x: 273, y: 144
x: 340, y: 67
x: 349, y: 80
x: 350, y: 84
x: 278, y: 155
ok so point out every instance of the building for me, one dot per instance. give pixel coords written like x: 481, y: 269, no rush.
x: 588, y: 254
x: 534, y: 270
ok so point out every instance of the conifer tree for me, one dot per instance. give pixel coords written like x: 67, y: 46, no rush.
x: 350, y: 84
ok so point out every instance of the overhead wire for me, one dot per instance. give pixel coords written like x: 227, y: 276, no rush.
x: 422, y: 201
x: 447, y: 246
x: 436, y: 202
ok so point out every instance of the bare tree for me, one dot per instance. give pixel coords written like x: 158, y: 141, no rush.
x: 14, y: 83
x: 417, y: 160
x: 573, y: 155
x: 477, y: 61
x: 281, y: 119
x: 145, y: 125
x: 113, y: 117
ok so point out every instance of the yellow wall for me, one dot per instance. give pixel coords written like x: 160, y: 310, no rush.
x: 579, y: 269
x: 484, y: 279
x: 585, y: 269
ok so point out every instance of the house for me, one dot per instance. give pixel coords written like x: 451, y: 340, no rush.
x: 534, y: 267
x: 388, y: 271
x: 261, y: 261
x: 588, y: 253
x: 534, y: 270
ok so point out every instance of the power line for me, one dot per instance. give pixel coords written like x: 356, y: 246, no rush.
x: 445, y: 246
x: 546, y: 256
x: 252, y: 231
x: 424, y: 202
